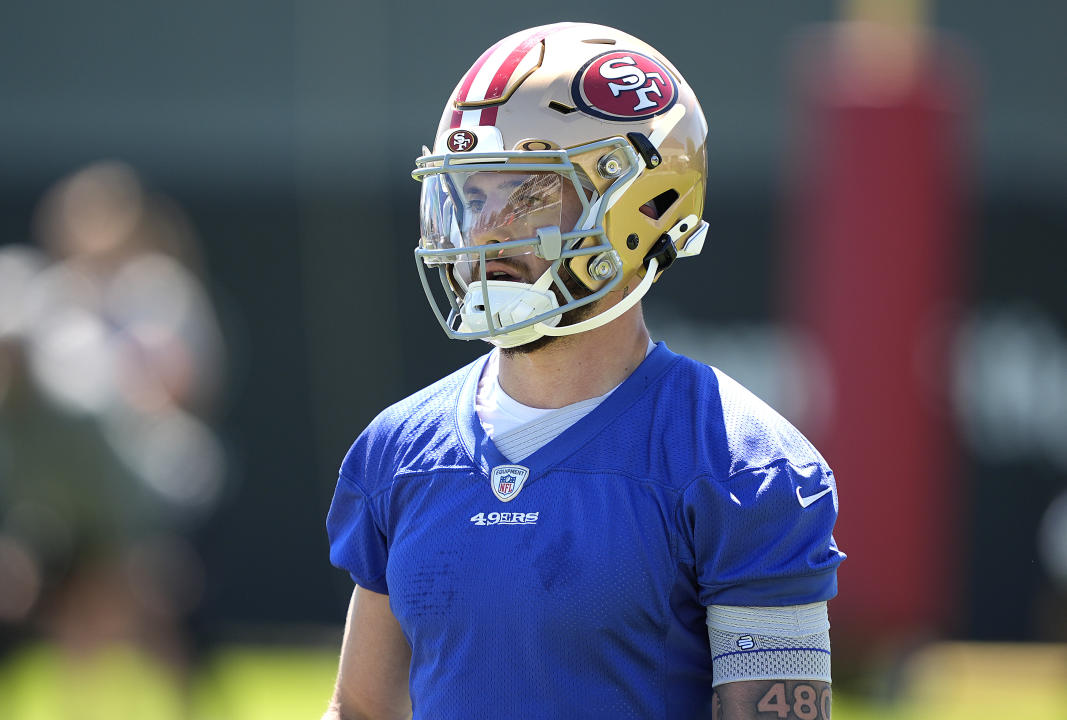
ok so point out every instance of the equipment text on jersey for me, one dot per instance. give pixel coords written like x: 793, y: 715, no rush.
x: 505, y: 518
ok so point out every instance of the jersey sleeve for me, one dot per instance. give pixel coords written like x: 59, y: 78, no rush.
x: 763, y: 536
x: 358, y: 542
x: 791, y: 642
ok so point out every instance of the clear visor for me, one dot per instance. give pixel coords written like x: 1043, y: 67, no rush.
x: 464, y: 212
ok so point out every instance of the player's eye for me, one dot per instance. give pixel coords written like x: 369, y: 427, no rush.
x: 525, y: 198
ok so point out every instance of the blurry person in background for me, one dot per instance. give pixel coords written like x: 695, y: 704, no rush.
x: 581, y: 523
x: 110, y: 368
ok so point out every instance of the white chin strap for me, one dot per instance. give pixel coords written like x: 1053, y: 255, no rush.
x: 693, y: 245
x: 608, y: 315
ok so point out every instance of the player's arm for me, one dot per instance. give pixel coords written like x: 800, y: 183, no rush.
x: 754, y: 650
x: 372, y: 681
x: 772, y: 699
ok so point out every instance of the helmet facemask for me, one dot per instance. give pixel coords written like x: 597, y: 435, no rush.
x: 489, y: 219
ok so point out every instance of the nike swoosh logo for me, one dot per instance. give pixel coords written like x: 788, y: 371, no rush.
x: 805, y: 501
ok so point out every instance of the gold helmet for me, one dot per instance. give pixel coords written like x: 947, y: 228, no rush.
x: 578, y: 144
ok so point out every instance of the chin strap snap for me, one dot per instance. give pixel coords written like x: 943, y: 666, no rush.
x: 663, y: 252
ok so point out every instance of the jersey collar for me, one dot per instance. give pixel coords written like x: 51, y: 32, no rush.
x: 484, y: 453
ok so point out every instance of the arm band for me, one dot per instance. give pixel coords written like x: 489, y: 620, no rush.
x: 769, y: 643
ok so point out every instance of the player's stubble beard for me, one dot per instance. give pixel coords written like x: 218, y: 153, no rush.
x: 577, y: 291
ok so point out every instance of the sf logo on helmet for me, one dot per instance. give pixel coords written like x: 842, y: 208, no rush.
x: 624, y: 86
x: 462, y: 141
x: 633, y: 78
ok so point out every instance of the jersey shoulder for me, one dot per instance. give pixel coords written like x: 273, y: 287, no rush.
x: 742, y: 427
x: 418, y: 431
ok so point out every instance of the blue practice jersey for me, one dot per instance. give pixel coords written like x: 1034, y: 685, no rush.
x: 574, y: 584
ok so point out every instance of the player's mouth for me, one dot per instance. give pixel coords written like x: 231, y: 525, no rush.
x: 497, y: 270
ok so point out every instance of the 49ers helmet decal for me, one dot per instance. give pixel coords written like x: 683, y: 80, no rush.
x: 623, y: 86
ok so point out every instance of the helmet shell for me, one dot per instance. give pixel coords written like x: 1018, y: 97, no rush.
x: 567, y: 85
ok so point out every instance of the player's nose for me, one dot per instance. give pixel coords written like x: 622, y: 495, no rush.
x: 491, y: 234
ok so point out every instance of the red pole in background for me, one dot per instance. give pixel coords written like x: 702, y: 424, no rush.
x: 874, y: 278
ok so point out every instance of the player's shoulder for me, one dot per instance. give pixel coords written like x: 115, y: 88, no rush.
x: 746, y: 430
x: 430, y: 405
x: 407, y: 431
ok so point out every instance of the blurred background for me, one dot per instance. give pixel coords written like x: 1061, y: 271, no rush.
x: 207, y: 290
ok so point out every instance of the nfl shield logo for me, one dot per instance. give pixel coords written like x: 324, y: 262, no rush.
x: 507, y: 481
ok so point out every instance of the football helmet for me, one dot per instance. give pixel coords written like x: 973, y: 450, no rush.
x: 574, y: 143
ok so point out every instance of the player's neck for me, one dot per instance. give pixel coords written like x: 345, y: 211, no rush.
x: 576, y: 367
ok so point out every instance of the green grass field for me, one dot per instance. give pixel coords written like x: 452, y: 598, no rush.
x: 950, y: 682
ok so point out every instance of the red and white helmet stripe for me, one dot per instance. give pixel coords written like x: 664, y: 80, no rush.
x: 489, y: 77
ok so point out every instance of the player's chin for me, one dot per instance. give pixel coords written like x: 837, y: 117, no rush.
x: 568, y: 318
x: 531, y: 347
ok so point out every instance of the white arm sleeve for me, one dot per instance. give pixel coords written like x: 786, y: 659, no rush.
x: 769, y: 643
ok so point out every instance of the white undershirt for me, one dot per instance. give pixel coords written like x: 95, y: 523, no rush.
x: 519, y: 430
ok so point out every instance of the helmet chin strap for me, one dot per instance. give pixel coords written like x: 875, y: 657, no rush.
x: 611, y: 313
x: 529, y: 334
x: 691, y: 248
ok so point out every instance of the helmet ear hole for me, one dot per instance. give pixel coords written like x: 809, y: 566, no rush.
x: 657, y: 206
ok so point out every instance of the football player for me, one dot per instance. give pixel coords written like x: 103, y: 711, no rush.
x: 581, y: 523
